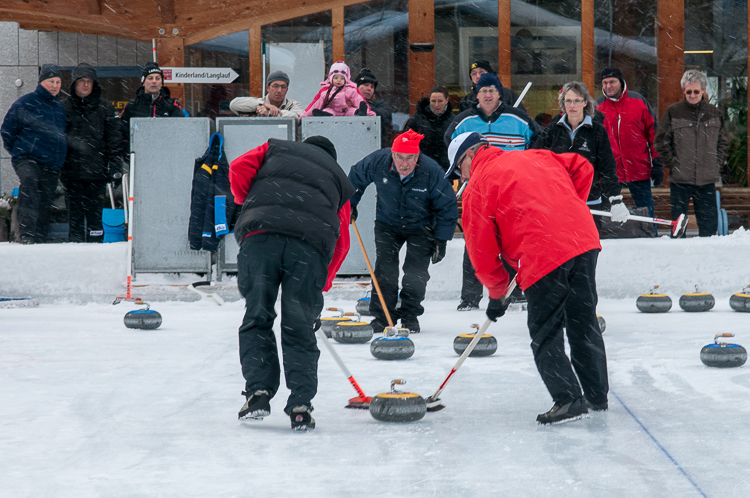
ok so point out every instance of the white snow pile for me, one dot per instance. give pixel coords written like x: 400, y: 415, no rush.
x: 81, y: 273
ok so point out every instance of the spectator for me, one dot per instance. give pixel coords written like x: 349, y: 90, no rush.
x: 367, y: 84
x: 152, y: 100
x: 554, y: 245
x: 33, y: 132
x: 93, y: 158
x: 338, y: 96
x: 293, y: 233
x: 630, y: 125
x: 432, y: 119
x: 692, y: 141
x: 416, y: 206
x: 476, y: 70
x: 577, y: 131
x: 274, y: 104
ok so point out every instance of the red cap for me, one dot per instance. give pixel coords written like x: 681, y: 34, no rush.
x: 407, y: 143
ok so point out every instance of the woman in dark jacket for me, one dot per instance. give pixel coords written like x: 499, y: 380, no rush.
x: 578, y: 131
x: 432, y: 119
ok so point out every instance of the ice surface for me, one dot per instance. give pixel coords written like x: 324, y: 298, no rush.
x: 90, y: 408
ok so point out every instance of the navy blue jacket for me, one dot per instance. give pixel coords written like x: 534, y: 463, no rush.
x: 424, y: 200
x: 35, y: 128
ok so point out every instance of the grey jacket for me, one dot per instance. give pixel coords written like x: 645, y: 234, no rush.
x: 692, y: 142
x: 247, y: 105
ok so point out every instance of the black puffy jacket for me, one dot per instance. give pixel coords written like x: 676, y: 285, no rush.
x: 93, y: 133
x: 433, y: 128
x: 143, y: 106
x: 382, y: 109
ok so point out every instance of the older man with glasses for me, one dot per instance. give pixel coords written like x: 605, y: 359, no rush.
x: 692, y: 142
x: 274, y: 104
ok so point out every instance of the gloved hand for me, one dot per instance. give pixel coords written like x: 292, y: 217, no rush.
x: 362, y: 111
x: 439, y: 253
x: 316, y: 324
x: 496, y: 308
x: 618, y: 210
x: 318, y: 112
x: 657, y: 171
x: 354, y: 214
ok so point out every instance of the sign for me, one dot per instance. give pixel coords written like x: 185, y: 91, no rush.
x: 221, y: 75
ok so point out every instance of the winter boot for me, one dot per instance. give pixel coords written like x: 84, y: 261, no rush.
x: 567, y: 412
x: 412, y: 324
x: 597, y: 407
x: 467, y: 306
x: 301, y: 418
x: 256, y: 407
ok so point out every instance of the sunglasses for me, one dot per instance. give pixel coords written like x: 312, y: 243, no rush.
x: 692, y: 92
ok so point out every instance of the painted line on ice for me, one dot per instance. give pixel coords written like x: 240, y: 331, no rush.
x: 659, y: 445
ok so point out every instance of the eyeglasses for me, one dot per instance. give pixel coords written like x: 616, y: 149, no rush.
x: 278, y: 87
x: 692, y: 92
x: 573, y: 102
x: 487, y: 90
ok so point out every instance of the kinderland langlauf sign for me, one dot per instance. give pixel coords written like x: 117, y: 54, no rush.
x: 199, y: 74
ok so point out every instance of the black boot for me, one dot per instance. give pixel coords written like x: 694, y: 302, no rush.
x: 256, y: 406
x: 301, y: 418
x: 564, y: 412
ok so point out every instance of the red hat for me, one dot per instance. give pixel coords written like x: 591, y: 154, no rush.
x: 407, y: 143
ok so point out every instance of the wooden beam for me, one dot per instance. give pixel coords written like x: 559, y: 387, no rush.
x: 256, y: 61
x: 503, y: 43
x: 337, y: 41
x: 171, y: 53
x: 671, y: 51
x: 421, y: 50
x: 587, y: 44
x: 166, y: 8
x: 94, y: 7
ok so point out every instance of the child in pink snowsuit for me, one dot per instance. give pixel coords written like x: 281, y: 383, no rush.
x: 338, y: 96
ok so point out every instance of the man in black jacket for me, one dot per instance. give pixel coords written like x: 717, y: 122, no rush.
x: 367, y: 84
x: 417, y: 207
x: 93, y: 159
x: 151, y: 100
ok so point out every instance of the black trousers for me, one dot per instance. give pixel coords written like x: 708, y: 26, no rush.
x: 265, y: 263
x: 472, y: 289
x: 567, y: 297
x: 35, y: 196
x: 420, y: 245
x: 84, y: 203
x: 704, y: 203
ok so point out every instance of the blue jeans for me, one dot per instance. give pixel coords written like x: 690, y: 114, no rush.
x: 641, y: 193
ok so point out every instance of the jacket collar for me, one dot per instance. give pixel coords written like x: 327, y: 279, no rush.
x: 622, y: 95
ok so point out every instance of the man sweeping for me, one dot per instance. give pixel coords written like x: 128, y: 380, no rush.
x: 293, y: 233
x: 530, y: 208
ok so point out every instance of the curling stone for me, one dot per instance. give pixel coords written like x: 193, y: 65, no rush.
x: 653, y: 302
x: 327, y: 322
x: 722, y: 354
x: 602, y: 323
x: 697, y: 301
x: 397, y: 406
x: 741, y: 300
x: 352, y: 331
x: 363, y: 305
x: 486, y: 346
x: 147, y: 319
x: 392, y: 345
x: 18, y: 302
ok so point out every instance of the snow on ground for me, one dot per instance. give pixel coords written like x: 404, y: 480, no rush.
x: 91, y: 408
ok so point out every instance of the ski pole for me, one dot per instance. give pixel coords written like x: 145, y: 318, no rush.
x: 372, y: 274
x: 433, y: 402
x: 362, y: 401
x: 523, y: 94
x: 678, y: 226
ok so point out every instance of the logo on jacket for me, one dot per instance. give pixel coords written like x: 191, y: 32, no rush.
x: 584, y: 146
x: 385, y: 180
x: 419, y: 190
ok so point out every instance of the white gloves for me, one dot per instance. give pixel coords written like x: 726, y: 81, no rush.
x: 618, y: 210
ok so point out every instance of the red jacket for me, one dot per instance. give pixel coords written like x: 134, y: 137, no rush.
x: 630, y: 127
x: 242, y: 172
x: 530, y: 207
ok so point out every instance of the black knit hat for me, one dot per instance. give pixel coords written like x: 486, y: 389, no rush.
x: 613, y: 72
x: 151, y: 68
x: 366, y: 76
x: 483, y: 64
x: 324, y: 144
x: 49, y: 71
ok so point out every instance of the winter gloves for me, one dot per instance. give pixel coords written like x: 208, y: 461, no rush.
x: 439, y: 253
x: 318, y: 112
x: 354, y: 214
x: 657, y: 171
x: 362, y: 111
x: 497, y: 308
x: 618, y: 210
x: 316, y: 324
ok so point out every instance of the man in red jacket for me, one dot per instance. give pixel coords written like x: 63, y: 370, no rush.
x: 293, y: 233
x: 530, y: 208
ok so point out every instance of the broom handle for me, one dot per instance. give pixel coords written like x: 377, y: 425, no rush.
x: 372, y: 274
x: 349, y: 376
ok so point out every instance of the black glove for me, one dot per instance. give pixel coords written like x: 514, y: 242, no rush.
x: 318, y: 112
x: 439, y: 253
x: 316, y: 324
x: 496, y: 308
x: 362, y: 111
x: 657, y: 171
x: 354, y: 213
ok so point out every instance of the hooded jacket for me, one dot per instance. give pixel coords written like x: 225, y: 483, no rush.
x: 93, y: 133
x: 34, y: 128
x: 530, y: 208
x: 339, y: 101
x: 143, y: 106
x: 433, y: 127
x: 631, y: 128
